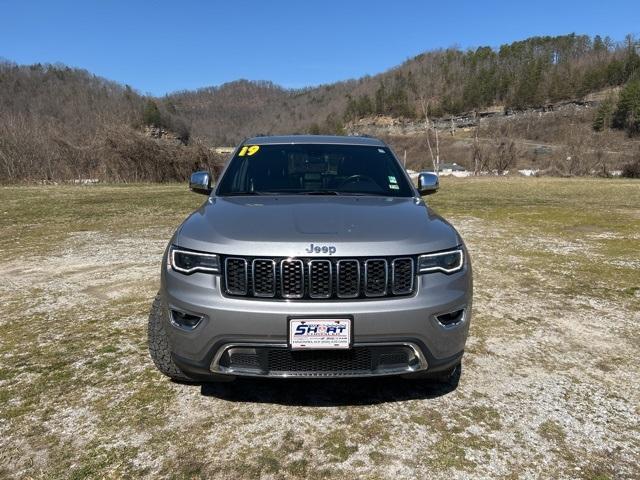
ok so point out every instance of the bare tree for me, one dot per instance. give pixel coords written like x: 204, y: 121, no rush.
x: 478, y: 156
x: 435, y: 160
x: 600, y: 158
x: 501, y: 151
x: 505, y: 155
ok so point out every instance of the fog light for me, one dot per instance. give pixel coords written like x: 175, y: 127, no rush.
x: 185, y: 320
x: 452, y: 318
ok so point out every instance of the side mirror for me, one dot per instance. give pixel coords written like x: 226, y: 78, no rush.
x: 428, y: 183
x: 200, y: 182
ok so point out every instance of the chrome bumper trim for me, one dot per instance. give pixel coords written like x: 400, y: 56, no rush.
x: 215, y: 366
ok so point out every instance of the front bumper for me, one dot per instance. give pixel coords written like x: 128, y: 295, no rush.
x: 252, y: 328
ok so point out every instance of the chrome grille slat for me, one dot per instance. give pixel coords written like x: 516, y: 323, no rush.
x: 319, y: 278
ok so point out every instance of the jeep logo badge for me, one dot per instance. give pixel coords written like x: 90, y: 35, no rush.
x: 330, y: 249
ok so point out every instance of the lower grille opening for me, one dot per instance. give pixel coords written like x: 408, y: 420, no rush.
x: 320, y: 360
x: 357, y: 361
x: 241, y: 359
x: 398, y: 358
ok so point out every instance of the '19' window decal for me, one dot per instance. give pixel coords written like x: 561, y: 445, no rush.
x: 248, y: 150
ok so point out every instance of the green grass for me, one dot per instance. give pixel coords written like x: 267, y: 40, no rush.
x: 598, y: 220
x: 40, y: 219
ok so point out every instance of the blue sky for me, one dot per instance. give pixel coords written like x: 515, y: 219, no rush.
x: 162, y: 46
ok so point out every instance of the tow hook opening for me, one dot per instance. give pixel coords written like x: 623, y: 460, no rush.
x: 451, y: 319
x: 185, y: 320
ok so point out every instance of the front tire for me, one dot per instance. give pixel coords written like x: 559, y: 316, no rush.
x: 159, y: 348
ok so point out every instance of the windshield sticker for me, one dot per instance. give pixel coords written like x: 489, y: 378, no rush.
x: 393, y: 186
x: 392, y: 179
x: 381, y: 150
x: 248, y: 150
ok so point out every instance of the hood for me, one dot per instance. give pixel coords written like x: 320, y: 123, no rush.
x: 296, y: 225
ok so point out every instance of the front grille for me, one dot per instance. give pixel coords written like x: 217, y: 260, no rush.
x: 319, y: 278
x: 357, y: 361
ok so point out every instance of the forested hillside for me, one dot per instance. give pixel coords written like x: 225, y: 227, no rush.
x: 527, y: 73
x: 60, y: 123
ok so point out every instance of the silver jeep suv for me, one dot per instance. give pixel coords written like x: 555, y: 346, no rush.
x: 314, y: 256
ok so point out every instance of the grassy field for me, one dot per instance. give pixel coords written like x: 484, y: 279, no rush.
x: 550, y: 385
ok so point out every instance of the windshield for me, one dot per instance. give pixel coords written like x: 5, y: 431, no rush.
x: 314, y: 170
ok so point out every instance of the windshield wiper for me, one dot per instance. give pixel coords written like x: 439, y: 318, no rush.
x: 319, y: 192
x: 364, y: 194
x: 238, y: 194
x: 330, y: 192
x: 296, y: 192
x: 300, y: 192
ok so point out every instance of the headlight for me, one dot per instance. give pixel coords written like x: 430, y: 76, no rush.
x: 447, y: 262
x: 187, y: 261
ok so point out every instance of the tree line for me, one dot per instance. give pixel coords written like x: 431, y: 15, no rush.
x: 528, y: 73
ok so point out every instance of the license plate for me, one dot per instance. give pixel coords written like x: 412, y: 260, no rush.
x: 325, y: 333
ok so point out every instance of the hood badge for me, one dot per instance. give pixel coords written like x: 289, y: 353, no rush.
x: 330, y: 249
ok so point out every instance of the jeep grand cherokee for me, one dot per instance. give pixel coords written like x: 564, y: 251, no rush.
x: 314, y: 256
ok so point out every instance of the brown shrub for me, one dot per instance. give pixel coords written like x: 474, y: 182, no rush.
x: 632, y: 169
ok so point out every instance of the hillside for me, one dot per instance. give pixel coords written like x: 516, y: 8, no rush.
x: 527, y: 73
x: 58, y: 123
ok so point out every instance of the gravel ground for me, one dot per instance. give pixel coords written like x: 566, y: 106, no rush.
x: 549, y: 389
